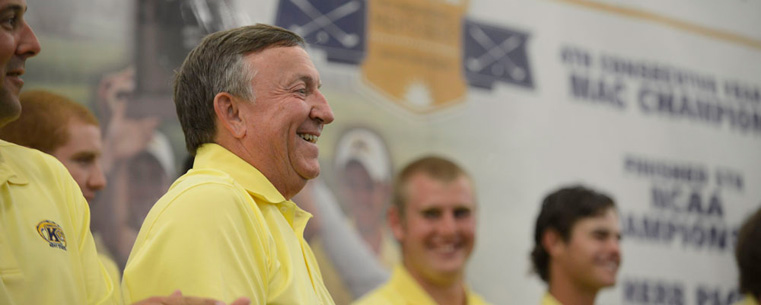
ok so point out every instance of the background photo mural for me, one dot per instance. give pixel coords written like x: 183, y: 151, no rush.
x: 656, y: 103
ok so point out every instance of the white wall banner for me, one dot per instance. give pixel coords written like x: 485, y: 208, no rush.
x: 656, y: 103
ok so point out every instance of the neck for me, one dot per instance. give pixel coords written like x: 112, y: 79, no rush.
x: 278, y: 180
x: 447, y: 292
x: 568, y: 293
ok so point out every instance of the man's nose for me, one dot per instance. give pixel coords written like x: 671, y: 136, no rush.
x: 97, y: 179
x: 321, y: 110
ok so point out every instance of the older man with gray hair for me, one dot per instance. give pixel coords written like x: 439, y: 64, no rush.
x: 250, y: 106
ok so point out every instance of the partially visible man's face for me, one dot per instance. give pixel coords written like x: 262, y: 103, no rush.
x: 437, y: 233
x: 81, y: 156
x: 286, y: 117
x: 592, y: 255
x: 365, y: 197
x: 17, y: 43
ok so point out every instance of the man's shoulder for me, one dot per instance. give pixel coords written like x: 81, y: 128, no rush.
x: 205, y: 183
x: 206, y: 190
x: 31, y: 163
x: 748, y: 300
x: 204, y: 196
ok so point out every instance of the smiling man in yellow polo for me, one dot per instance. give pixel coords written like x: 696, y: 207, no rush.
x: 47, y: 253
x: 434, y: 219
x: 250, y: 106
x: 576, y: 245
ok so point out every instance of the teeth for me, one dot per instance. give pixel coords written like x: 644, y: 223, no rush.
x: 445, y: 249
x: 308, y: 137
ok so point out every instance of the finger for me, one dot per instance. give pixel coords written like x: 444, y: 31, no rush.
x: 195, y: 301
x: 119, y: 109
x: 174, y: 298
x: 151, y: 301
x: 241, y: 301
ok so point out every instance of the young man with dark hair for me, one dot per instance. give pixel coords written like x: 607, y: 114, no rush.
x: 576, y: 245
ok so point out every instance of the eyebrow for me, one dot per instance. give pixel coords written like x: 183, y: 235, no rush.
x: 606, y: 232
x: 86, y: 154
x: 308, y: 80
x: 13, y: 7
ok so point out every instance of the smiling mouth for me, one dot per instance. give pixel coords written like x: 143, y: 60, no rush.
x: 309, y: 138
x: 447, y: 249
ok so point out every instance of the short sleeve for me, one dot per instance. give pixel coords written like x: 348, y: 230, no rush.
x: 208, y: 240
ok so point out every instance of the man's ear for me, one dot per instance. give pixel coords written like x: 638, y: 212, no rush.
x: 227, y: 109
x: 552, y: 242
x: 395, y: 222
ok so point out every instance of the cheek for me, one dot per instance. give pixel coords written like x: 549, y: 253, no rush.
x: 79, y: 174
x: 586, y: 252
x: 468, y: 227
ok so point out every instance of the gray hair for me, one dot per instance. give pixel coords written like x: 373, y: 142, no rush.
x: 216, y: 65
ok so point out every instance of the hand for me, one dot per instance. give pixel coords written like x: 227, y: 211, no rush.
x: 176, y: 298
x: 125, y: 137
x: 116, y: 88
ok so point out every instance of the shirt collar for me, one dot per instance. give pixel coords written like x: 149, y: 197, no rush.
x: 214, y: 156
x: 404, y: 282
x: 413, y: 293
x: 749, y: 300
x: 7, y: 171
x: 548, y: 299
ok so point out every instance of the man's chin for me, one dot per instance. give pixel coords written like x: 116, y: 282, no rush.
x: 309, y: 172
x: 10, y: 109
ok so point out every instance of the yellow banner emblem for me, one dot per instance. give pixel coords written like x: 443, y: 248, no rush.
x: 414, y: 53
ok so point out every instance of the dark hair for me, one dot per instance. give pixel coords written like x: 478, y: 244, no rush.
x: 748, y: 255
x: 434, y: 167
x: 216, y: 65
x: 44, y: 123
x: 560, y: 211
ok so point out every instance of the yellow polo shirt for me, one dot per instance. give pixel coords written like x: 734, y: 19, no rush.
x: 223, y: 231
x: 402, y: 289
x: 748, y: 300
x: 548, y: 299
x: 47, y: 253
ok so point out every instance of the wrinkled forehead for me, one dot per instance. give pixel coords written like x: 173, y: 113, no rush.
x: 283, y: 64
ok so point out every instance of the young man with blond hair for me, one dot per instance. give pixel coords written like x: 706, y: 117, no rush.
x: 433, y: 217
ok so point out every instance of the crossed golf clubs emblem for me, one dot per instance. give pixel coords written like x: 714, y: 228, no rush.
x: 324, y: 23
x: 495, y: 53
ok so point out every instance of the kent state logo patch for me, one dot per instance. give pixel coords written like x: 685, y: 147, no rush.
x: 52, y: 233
